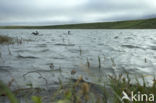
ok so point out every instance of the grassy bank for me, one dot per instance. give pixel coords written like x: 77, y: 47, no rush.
x: 132, y: 24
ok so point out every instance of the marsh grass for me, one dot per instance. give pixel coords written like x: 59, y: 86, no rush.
x: 88, y: 63
x: 5, y: 40
x: 10, y: 40
x: 4, y: 90
x: 81, y: 91
x: 80, y: 50
x: 99, y: 60
x: 122, y: 83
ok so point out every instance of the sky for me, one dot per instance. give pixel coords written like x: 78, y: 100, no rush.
x: 56, y: 12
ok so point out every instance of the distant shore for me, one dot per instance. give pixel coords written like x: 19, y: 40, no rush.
x: 131, y: 24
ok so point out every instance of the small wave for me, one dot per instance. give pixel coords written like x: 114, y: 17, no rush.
x: 73, y: 50
x: 22, y: 51
x: 128, y: 38
x: 130, y: 46
x: 116, y: 37
x: 45, y: 50
x: 153, y: 47
x: 64, y: 44
x: 58, y: 58
x: 42, y: 45
x: 101, y: 44
x: 5, y: 68
x: 31, y: 57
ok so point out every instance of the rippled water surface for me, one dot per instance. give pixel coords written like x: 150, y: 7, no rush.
x: 119, y: 50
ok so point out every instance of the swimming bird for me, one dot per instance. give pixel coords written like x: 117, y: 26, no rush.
x: 35, y: 33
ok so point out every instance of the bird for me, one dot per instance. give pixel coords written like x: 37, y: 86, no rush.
x: 35, y: 33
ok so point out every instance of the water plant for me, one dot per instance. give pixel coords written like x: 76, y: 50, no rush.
x: 80, y: 50
x: 99, y: 61
x: 88, y: 63
x: 0, y: 54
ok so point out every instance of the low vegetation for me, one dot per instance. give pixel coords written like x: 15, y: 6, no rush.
x: 5, y: 39
x: 11, y: 40
x: 80, y: 91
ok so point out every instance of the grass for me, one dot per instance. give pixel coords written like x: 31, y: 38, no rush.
x: 4, y: 90
x: 80, y: 91
x: 131, y: 24
x: 5, y: 39
x: 120, y: 84
x: 10, y: 40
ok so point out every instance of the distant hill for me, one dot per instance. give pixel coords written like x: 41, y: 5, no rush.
x: 131, y: 24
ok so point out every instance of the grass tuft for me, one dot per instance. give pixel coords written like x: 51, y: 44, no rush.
x: 5, y: 39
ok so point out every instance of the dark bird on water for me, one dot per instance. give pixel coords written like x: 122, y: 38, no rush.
x: 35, y: 33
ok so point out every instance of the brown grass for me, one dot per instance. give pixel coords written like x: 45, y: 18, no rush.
x: 5, y: 39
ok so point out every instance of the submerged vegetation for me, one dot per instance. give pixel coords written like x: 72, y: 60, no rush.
x: 131, y: 24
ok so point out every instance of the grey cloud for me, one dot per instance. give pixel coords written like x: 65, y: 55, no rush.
x: 49, y: 12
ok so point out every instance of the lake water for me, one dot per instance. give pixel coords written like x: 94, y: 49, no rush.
x: 132, y: 51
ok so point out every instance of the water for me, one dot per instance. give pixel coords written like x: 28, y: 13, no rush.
x: 119, y: 51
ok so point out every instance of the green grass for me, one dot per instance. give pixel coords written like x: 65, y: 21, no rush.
x: 131, y: 24
x: 4, y: 90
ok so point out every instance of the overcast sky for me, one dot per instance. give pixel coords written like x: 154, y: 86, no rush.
x: 55, y: 12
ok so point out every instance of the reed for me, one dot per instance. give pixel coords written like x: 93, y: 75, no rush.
x: 88, y: 63
x: 0, y: 54
x: 4, y: 90
x: 113, y: 62
x: 99, y: 61
x: 9, y: 51
x: 80, y: 50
